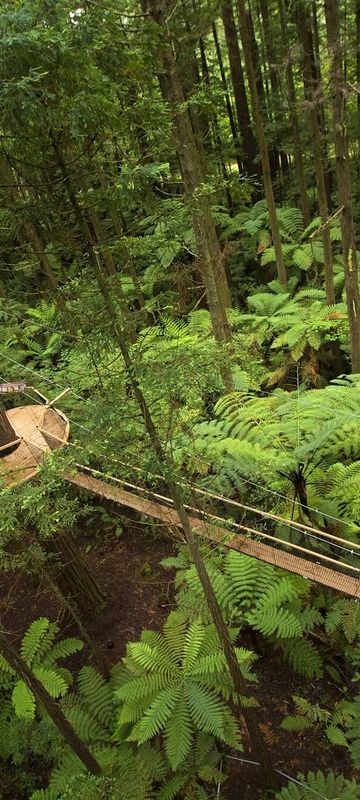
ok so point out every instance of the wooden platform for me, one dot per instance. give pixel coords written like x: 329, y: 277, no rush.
x: 23, y: 463
x: 282, y: 559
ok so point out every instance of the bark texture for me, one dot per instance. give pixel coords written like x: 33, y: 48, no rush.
x: 237, y: 79
x: 73, y: 577
x: 292, y: 100
x: 344, y: 178
x: 268, y: 187
x: 311, y: 88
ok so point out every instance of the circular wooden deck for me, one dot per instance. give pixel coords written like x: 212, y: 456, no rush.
x: 30, y: 424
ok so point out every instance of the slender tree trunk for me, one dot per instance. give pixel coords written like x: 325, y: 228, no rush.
x: 233, y: 128
x: 262, y: 91
x: 311, y: 92
x: 274, y: 102
x: 344, y: 179
x: 357, y: 34
x: 216, y: 134
x: 240, y: 97
x: 127, y: 261
x: 298, y: 148
x: 268, y: 188
x: 304, y: 20
x: 29, y: 228
x: 165, y: 464
x: 51, y: 706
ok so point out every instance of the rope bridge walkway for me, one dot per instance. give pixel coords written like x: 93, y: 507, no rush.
x: 38, y: 429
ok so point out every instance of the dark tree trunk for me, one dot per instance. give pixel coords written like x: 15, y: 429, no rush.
x: 210, y: 258
x: 266, y: 113
x: 306, y: 36
x: 357, y: 25
x: 216, y: 135
x: 344, y: 179
x: 74, y: 616
x: 75, y: 581
x: 233, y: 127
x: 51, y: 706
x: 240, y: 97
x: 268, y: 188
x: 298, y: 148
x: 311, y: 88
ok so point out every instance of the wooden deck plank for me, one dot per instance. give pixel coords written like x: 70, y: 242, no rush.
x: 23, y: 463
x: 345, y: 584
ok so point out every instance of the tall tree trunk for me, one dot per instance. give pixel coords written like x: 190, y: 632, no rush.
x: 268, y: 188
x: 344, y: 179
x: 311, y: 88
x: 73, y: 576
x: 357, y: 34
x: 240, y: 97
x: 210, y: 258
x: 230, y: 113
x: 261, y: 90
x: 298, y: 158
x: 274, y: 101
x: 175, y: 492
x: 304, y: 20
x: 216, y: 134
x: 51, y: 706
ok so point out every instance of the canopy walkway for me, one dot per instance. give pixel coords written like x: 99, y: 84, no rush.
x: 39, y: 429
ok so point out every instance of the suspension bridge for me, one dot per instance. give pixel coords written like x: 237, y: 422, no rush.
x: 41, y: 428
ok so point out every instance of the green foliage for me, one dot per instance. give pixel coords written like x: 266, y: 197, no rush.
x: 294, y: 325
x: 41, y: 652
x: 173, y: 684
x: 286, y: 437
x: 252, y: 593
x: 334, y: 722
x: 330, y: 786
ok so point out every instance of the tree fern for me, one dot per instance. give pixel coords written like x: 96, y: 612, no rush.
x: 330, y: 786
x: 333, y: 722
x: 187, y: 695
x: 41, y: 652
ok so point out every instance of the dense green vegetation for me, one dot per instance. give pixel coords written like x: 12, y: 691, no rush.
x: 179, y: 217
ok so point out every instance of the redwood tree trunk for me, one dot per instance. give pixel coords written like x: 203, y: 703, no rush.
x: 357, y: 33
x: 74, y: 578
x: 268, y: 188
x: 237, y: 78
x: 209, y: 255
x: 344, y: 179
x: 233, y: 127
x: 298, y: 147
x: 311, y: 88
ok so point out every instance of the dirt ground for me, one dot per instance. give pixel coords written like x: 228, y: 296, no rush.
x: 139, y: 594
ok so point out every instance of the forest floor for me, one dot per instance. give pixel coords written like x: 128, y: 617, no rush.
x: 140, y: 595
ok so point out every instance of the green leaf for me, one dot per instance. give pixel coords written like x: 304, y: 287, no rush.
x: 156, y: 716
x: 23, y: 701
x: 178, y: 734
